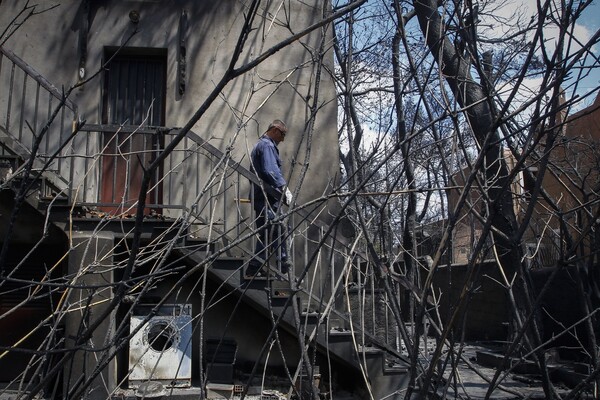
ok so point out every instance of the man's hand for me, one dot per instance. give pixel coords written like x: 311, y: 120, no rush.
x: 287, y: 198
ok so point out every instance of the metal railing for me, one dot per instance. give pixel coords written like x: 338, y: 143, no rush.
x: 209, y: 187
x: 27, y: 104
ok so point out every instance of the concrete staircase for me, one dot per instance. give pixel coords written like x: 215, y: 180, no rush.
x: 299, y: 312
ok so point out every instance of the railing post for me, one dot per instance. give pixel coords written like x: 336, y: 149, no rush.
x: 10, y: 96
x: 225, y: 199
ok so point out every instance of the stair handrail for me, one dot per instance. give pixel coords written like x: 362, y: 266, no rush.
x: 254, y: 179
x: 246, y: 173
x: 236, y: 166
x: 35, y: 75
x: 22, y: 140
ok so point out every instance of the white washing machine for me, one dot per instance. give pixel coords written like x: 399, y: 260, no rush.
x: 161, y: 350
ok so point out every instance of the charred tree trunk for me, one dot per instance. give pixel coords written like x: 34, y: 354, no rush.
x: 480, y: 114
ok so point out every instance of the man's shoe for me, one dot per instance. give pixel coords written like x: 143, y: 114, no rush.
x: 253, y: 269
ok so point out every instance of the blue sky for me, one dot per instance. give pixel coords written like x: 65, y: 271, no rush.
x: 591, y: 20
x: 587, y: 25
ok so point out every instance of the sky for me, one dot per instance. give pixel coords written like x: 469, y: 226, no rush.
x: 592, y: 18
x: 588, y: 24
x: 591, y: 21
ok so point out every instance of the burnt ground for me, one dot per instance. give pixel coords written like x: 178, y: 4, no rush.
x: 523, y: 380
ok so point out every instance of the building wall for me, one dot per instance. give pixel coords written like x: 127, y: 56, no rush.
x: 571, y: 181
x: 51, y: 43
x: 467, y: 230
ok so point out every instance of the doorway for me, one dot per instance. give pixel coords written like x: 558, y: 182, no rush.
x: 133, y: 107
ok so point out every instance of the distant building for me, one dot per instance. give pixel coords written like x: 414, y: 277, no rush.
x: 570, y: 182
x: 573, y: 183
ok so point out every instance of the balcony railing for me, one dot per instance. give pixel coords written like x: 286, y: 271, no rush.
x: 27, y: 105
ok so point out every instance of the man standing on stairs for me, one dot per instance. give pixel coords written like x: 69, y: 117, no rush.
x: 268, y: 197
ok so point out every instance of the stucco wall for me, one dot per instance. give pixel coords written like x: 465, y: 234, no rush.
x: 277, y: 88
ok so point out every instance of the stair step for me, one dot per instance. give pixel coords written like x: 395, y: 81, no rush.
x: 200, y: 250
x: 310, y: 315
x: 229, y: 263
x: 249, y: 279
x: 164, y: 232
x: 314, y: 330
x: 200, y: 244
x: 280, y: 289
x: 340, y: 333
x: 398, y: 367
x: 202, y: 232
x: 340, y: 343
x: 273, y: 295
x: 61, y: 206
x: 253, y: 283
x: 370, y: 351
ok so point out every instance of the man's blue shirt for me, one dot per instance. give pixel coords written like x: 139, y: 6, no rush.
x: 265, y: 162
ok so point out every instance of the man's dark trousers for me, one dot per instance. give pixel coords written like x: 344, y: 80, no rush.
x: 270, y: 237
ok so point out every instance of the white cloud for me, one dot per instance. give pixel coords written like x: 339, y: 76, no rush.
x: 507, y: 15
